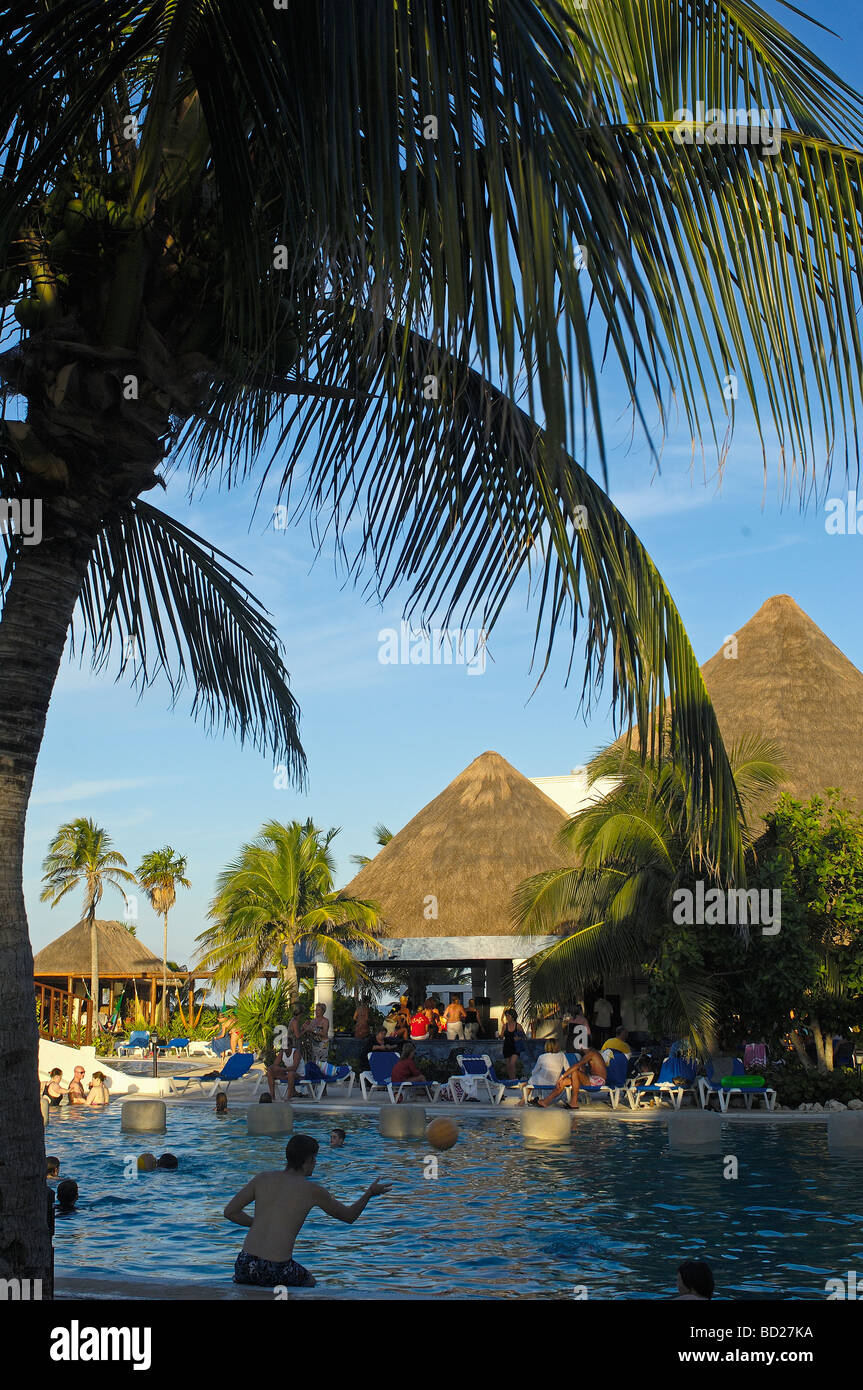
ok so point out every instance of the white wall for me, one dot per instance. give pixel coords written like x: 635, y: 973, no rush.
x: 54, y: 1054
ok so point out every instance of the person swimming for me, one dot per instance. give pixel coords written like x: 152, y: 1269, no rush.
x: 337, y: 1138
x: 67, y: 1194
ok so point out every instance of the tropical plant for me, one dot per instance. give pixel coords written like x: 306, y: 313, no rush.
x: 806, y: 981
x: 160, y: 873
x: 277, y: 895
x: 382, y: 836
x: 207, y: 241
x: 629, y: 853
x: 80, y: 856
x: 259, y: 1012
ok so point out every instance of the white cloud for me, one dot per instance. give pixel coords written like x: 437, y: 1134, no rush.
x: 79, y: 791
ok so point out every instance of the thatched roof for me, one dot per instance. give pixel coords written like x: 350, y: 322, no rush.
x: 120, y: 953
x: 469, y: 848
x: 791, y: 684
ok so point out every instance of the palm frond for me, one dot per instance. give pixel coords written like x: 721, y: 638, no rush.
x: 163, y: 594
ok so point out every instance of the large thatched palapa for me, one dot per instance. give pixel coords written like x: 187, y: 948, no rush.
x: 788, y: 682
x: 445, y: 881
x: 121, y: 955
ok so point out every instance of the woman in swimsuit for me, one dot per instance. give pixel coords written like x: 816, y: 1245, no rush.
x: 52, y: 1088
x: 511, y: 1030
x: 319, y: 1028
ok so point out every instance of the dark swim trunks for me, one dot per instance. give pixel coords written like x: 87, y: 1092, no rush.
x: 251, y: 1269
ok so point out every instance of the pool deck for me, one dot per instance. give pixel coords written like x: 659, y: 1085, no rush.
x: 240, y: 1097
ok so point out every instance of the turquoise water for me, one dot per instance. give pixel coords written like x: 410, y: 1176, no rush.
x: 615, y: 1211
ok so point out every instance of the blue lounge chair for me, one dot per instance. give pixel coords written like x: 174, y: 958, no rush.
x: 379, y: 1075
x: 476, y: 1071
x: 234, y: 1069
x: 177, y: 1045
x: 711, y: 1085
x: 315, y: 1079
x: 138, y: 1042
x: 615, y: 1082
x: 668, y: 1084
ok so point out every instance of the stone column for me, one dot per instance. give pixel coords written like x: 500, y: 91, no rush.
x: 324, y: 978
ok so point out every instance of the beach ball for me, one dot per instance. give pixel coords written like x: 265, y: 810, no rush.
x: 442, y: 1133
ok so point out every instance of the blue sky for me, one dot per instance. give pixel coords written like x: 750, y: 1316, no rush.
x: 382, y: 740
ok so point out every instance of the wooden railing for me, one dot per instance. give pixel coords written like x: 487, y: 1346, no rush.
x: 54, y: 1010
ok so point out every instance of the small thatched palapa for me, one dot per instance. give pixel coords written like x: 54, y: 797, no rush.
x: 120, y: 954
x: 463, y: 854
x: 789, y: 683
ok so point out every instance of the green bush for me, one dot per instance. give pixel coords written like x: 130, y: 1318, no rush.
x: 794, y: 1086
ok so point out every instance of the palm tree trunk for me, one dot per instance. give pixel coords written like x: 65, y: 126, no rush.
x: 289, y: 973
x: 93, y: 1011
x: 37, y: 612
x: 165, y: 976
x: 825, y: 1062
x: 800, y: 1048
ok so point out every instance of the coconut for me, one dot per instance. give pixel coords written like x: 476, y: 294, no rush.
x: 29, y: 313
x: 74, y: 220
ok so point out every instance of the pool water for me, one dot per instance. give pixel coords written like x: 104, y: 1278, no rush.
x: 613, y: 1213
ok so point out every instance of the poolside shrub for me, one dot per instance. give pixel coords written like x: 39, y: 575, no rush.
x: 794, y: 1086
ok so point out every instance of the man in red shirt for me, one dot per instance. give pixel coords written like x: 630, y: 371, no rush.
x: 405, y: 1068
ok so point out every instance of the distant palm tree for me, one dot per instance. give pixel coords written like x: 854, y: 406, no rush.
x: 628, y: 852
x: 383, y: 837
x: 277, y: 895
x: 160, y: 874
x: 81, y: 853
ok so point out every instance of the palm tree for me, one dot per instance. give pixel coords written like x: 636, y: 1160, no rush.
x: 628, y: 854
x: 209, y: 242
x: 382, y: 836
x: 80, y: 854
x: 160, y: 873
x: 277, y: 895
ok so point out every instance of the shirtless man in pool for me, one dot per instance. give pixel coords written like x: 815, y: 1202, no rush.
x: 282, y: 1201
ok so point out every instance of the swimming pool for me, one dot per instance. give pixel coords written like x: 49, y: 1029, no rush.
x: 613, y: 1213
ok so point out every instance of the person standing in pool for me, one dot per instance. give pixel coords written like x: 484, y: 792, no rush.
x: 282, y: 1201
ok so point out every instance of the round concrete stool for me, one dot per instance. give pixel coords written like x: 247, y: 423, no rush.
x: 845, y: 1135
x: 277, y: 1118
x: 143, y: 1116
x: 695, y: 1132
x: 402, y: 1122
x: 551, y: 1126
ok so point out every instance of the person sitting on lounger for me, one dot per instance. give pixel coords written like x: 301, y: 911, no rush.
x: 590, y: 1071
x: 282, y: 1201
x: 285, y: 1068
x: 549, y: 1067
x: 405, y: 1068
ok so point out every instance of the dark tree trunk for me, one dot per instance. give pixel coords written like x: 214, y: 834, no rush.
x: 800, y: 1048
x: 36, y: 615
